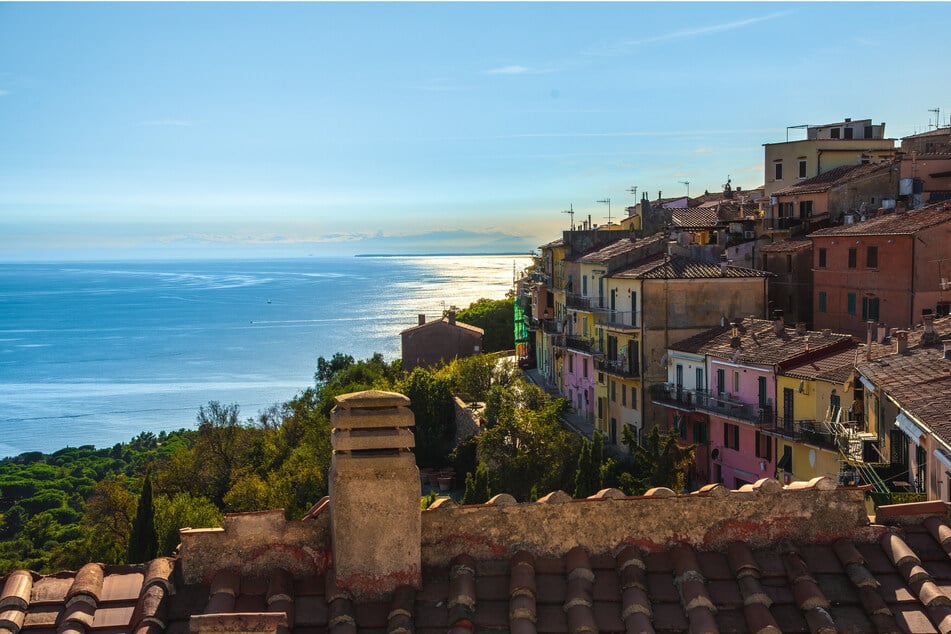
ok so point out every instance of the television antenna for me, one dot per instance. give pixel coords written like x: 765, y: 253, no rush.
x: 937, y: 117
x: 571, y: 214
x: 687, y: 183
x: 608, y: 201
x: 633, y: 190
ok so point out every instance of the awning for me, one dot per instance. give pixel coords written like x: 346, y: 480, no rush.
x: 868, y: 384
x: 907, y: 427
x: 943, y: 457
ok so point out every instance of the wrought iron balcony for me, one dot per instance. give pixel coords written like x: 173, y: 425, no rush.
x: 722, y: 404
x: 620, y: 320
x: 624, y: 369
x: 582, y: 344
x: 589, y: 303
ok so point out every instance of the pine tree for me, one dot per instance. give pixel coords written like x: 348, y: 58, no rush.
x: 143, y: 541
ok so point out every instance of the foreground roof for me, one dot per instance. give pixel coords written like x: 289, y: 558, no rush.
x: 757, y: 341
x: 775, y: 559
x: 663, y: 266
x: 443, y: 322
x: 834, y: 177
x: 897, y: 223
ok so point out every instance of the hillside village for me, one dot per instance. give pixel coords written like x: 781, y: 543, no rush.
x: 792, y: 331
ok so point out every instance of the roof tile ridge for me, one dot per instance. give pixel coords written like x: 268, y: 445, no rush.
x: 866, y: 583
x: 807, y: 594
x: 579, y: 594
x: 917, y: 577
x: 756, y: 602
x: 400, y: 618
x: 636, y: 610
x: 15, y: 599
x: 692, y: 587
x: 151, y: 607
x: 523, y: 609
x: 341, y: 617
x: 461, y: 604
x: 280, y: 595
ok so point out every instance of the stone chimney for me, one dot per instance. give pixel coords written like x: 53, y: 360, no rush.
x: 779, y: 326
x: 422, y: 319
x: 901, y: 341
x: 800, y: 328
x: 882, y: 332
x: 375, y: 521
x: 928, y: 337
x: 451, y: 316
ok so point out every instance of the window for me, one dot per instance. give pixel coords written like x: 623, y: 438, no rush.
x: 584, y: 285
x: 849, y: 132
x: 623, y: 395
x: 785, y: 210
x: 736, y: 382
x: 805, y: 209
x: 700, y: 432
x: 822, y: 301
x: 853, y: 257
x: 571, y: 364
x: 870, y: 308
x: 585, y: 368
x: 785, y: 463
x: 613, y: 385
x: 633, y: 398
x: 721, y: 381
x: 822, y: 258
x: 871, y: 257
x: 699, y: 384
x: 868, y: 132
x: 731, y: 436
x: 850, y: 306
x: 802, y: 168
x: 943, y: 310
x: 779, y: 170
x: 764, y: 447
x: 584, y: 326
x: 835, y: 133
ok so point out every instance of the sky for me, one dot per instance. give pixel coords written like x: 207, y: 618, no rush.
x: 281, y: 129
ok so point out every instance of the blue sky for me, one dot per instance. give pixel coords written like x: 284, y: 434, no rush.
x: 174, y: 129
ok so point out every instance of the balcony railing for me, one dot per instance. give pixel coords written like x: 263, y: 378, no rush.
x: 621, y: 320
x: 618, y: 368
x: 722, y: 404
x: 583, y: 302
x: 582, y: 344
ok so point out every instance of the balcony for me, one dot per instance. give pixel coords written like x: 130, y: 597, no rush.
x: 810, y: 432
x: 618, y: 368
x: 723, y: 404
x: 582, y: 302
x: 621, y: 321
x: 585, y: 345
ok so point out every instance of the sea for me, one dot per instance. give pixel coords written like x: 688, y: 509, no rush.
x: 94, y: 353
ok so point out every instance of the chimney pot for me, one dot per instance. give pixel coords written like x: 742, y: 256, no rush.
x: 901, y: 341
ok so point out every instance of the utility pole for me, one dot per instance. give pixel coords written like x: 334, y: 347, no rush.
x: 608, y: 201
x: 571, y: 214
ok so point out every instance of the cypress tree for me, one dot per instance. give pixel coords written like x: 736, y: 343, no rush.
x: 143, y: 541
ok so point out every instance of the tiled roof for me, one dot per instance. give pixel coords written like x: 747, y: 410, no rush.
x: 919, y: 380
x: 835, y: 176
x: 789, y: 245
x: 695, y: 217
x: 445, y: 321
x: 909, y: 222
x: 622, y: 245
x: 758, y: 343
x: 661, y: 266
x: 757, y: 576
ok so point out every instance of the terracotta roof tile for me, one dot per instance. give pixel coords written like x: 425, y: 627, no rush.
x: 832, y: 178
x: 662, y: 266
x: 909, y: 222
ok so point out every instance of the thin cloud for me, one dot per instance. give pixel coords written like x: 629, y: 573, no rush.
x: 516, y: 69
x: 170, y: 123
x: 624, y: 46
x: 4, y: 93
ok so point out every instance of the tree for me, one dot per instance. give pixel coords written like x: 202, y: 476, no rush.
x: 326, y: 370
x: 497, y: 320
x: 143, y: 540
x: 180, y: 511
x: 659, y: 462
x: 109, y: 515
x: 432, y: 405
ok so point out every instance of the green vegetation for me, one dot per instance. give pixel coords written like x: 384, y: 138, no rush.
x: 496, y: 318
x: 126, y: 503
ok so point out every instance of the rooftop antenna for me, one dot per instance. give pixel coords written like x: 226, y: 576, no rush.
x: 633, y: 190
x: 571, y: 214
x: 687, y: 183
x: 608, y: 201
x: 937, y: 117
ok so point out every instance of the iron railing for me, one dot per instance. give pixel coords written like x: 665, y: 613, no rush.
x: 618, y: 368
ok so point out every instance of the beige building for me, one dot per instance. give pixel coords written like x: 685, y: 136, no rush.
x: 825, y: 147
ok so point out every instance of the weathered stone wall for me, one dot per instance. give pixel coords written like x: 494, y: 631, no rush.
x: 600, y: 525
x: 256, y: 543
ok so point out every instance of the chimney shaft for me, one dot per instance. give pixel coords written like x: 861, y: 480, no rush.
x: 375, y: 523
x: 451, y: 316
x: 422, y: 319
x: 928, y: 337
x: 901, y: 341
